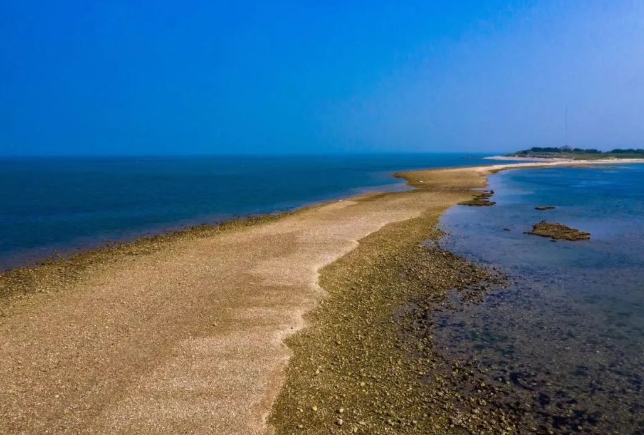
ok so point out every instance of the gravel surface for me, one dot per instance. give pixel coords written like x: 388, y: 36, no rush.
x: 174, y: 334
x: 366, y: 364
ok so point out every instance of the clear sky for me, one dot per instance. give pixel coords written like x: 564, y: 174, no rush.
x: 195, y: 77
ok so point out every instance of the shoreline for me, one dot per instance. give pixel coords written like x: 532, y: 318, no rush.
x: 29, y: 260
x: 135, y: 316
x: 562, y: 159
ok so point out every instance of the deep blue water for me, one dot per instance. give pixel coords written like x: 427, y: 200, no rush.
x: 60, y: 204
x: 567, y: 335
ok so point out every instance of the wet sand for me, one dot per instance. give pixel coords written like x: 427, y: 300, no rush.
x: 185, y: 333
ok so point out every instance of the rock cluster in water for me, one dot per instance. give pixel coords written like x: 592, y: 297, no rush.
x: 480, y: 200
x: 558, y: 232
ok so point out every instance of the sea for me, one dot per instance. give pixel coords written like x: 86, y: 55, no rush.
x: 563, y: 340
x: 61, y: 205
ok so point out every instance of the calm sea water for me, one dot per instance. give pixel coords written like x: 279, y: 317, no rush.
x: 62, y: 204
x: 565, y: 340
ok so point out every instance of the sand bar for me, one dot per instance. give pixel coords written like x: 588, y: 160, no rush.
x: 189, y: 338
x: 185, y: 340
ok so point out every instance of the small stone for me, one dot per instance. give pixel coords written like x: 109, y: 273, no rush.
x: 314, y: 408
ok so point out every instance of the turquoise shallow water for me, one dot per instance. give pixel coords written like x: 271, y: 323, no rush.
x: 68, y: 203
x: 567, y: 336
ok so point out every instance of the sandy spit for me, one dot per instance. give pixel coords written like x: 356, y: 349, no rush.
x: 188, y: 338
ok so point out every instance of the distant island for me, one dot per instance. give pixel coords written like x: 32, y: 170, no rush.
x: 567, y: 152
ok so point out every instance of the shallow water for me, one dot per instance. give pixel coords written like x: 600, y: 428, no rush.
x: 566, y: 338
x: 65, y: 203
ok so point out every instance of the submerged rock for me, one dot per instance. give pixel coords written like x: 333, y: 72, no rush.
x: 545, y: 207
x: 558, y: 232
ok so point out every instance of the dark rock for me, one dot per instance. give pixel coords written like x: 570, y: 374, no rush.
x: 480, y: 200
x: 558, y: 232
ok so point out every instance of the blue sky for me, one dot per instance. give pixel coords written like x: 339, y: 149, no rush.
x: 204, y: 77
